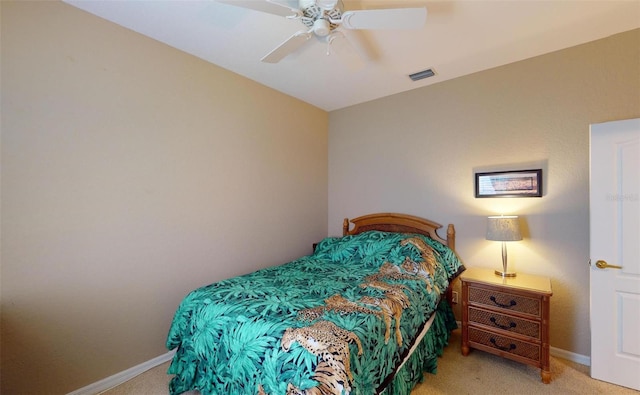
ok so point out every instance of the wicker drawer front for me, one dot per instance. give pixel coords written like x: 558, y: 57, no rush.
x: 504, y: 343
x: 505, y: 322
x: 505, y: 301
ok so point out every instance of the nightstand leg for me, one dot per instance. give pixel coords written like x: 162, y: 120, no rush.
x: 465, y: 350
x: 546, y: 376
x: 464, y: 345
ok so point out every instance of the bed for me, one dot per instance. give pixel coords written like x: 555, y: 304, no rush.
x: 366, y: 313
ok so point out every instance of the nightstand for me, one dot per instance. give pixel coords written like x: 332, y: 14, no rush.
x: 507, y: 316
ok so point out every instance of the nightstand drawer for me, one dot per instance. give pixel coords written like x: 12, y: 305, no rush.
x: 504, y: 343
x: 505, y: 301
x: 504, y: 322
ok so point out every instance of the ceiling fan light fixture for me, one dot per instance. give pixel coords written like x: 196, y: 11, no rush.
x: 422, y: 74
x: 321, y: 27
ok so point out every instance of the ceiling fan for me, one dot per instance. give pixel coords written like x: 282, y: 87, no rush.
x: 325, y: 19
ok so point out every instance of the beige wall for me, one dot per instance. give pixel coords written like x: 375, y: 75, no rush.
x: 131, y: 174
x: 417, y: 152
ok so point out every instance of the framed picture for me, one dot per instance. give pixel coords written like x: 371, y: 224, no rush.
x: 517, y: 183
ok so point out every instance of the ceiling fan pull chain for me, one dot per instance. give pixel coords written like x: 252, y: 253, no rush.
x: 330, y: 39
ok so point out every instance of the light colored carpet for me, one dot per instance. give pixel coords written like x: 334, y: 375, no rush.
x: 478, y: 374
x: 482, y: 373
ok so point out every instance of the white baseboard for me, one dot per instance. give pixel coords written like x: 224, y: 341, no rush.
x: 119, y: 378
x: 570, y: 356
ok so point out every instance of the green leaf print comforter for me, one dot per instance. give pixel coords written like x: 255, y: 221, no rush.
x: 339, y: 321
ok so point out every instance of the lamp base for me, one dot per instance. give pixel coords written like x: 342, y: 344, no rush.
x: 505, y: 274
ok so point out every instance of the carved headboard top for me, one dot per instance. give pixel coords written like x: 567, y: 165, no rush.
x: 399, y: 223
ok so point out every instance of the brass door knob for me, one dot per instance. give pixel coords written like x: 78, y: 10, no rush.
x: 604, y: 265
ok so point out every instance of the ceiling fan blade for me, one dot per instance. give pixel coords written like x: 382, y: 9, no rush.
x: 345, y: 51
x: 268, y: 6
x: 394, y: 18
x: 290, y: 45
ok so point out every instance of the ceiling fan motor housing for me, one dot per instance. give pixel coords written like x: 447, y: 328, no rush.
x: 326, y: 5
x: 317, y: 15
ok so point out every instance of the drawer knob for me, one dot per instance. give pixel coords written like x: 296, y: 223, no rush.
x: 506, y: 306
x: 510, y: 348
x: 505, y: 327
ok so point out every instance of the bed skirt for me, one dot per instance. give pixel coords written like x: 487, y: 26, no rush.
x: 425, y: 357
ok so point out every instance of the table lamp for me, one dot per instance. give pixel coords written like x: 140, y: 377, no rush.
x: 504, y: 228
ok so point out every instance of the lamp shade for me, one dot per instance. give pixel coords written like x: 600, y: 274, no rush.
x: 503, y: 228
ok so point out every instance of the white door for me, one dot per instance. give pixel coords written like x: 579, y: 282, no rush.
x: 615, y: 247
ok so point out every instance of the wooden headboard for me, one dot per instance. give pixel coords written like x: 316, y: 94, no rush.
x: 399, y: 223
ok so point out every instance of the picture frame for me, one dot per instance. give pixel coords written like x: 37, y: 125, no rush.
x: 514, y: 183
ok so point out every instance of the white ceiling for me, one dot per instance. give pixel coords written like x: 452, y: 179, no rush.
x: 459, y: 38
